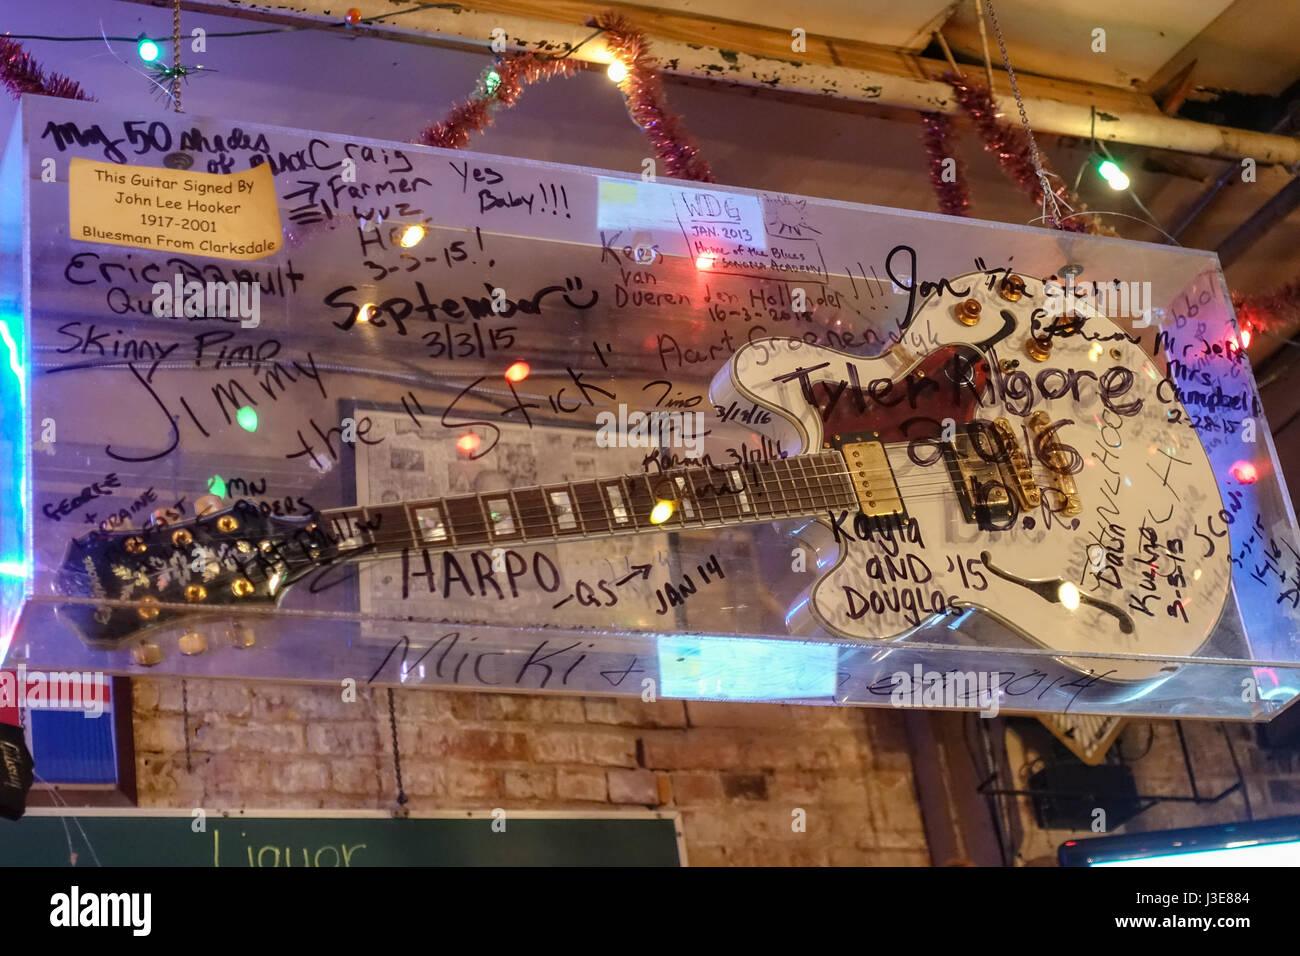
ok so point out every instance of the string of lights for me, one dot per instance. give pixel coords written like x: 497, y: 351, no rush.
x: 352, y: 18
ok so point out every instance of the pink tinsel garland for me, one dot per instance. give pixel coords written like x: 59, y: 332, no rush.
x: 937, y: 136
x: 647, y: 104
x: 1015, y: 155
x: 20, y: 74
x: 514, y: 72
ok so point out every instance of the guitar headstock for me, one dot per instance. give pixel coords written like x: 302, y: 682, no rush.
x: 223, y: 560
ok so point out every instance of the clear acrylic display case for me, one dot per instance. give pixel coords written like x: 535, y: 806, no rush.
x: 516, y: 426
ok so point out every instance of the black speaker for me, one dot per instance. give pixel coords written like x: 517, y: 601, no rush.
x: 1067, y: 794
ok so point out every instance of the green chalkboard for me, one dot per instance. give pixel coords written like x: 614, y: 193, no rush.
x: 362, y: 839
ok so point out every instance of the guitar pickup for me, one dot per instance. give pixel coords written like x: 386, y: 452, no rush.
x: 871, y: 474
x: 981, y: 490
x: 1039, y: 425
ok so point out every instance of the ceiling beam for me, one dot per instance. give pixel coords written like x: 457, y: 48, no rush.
x: 1276, y: 208
x: 875, y: 76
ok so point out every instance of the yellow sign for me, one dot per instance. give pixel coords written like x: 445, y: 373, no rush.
x: 220, y: 216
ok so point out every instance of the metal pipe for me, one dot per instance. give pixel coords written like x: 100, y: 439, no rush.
x: 463, y: 28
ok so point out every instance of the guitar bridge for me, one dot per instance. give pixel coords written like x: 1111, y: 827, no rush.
x: 1039, y: 425
x: 871, y: 474
x: 1020, y: 478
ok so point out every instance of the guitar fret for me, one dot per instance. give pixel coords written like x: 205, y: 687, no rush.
x: 775, y: 467
x: 594, y: 517
x: 468, y: 521
x: 762, y: 501
x: 577, y: 512
x: 726, y: 496
x: 818, y: 486
x: 810, y: 482
x: 563, y: 511
x: 613, y: 497
x: 684, y: 509
x: 697, y: 508
x: 641, y: 484
x: 413, y: 525
x: 801, y: 493
x: 534, y: 515
x: 781, y: 471
x: 706, y: 500
x: 487, y: 519
x: 517, y: 516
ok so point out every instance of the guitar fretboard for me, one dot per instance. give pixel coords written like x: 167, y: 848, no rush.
x: 676, y: 500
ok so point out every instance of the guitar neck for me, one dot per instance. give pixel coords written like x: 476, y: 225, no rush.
x: 706, y: 496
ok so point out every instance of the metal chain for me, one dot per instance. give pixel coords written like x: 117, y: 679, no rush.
x: 176, y: 55
x: 397, y: 756
x: 1049, y: 195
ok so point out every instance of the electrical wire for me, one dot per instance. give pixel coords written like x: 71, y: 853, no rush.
x: 1098, y: 147
x: 241, y: 33
x: 1119, y: 746
x: 1241, y: 777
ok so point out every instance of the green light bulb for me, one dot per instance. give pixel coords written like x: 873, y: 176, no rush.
x: 217, y: 486
x: 149, y: 50
x: 247, y: 418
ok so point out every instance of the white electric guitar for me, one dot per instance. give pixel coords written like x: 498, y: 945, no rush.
x: 1033, y: 466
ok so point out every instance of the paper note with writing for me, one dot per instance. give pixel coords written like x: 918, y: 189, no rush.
x: 230, y: 216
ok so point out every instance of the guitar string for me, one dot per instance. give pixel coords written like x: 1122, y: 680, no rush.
x: 810, y: 500
x: 818, y: 501
x: 817, y: 497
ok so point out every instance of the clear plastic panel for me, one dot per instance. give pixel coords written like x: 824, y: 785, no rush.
x: 505, y: 424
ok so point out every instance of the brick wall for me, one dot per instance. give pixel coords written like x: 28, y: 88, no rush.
x: 736, y: 772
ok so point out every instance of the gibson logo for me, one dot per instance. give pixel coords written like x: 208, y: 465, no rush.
x: 11, y: 761
x: 102, y: 614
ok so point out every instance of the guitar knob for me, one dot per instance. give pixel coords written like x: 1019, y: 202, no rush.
x: 207, y: 504
x: 1040, y: 350
x: 1012, y: 288
x: 146, y: 653
x: 192, y: 643
x: 241, y: 635
x: 968, y: 312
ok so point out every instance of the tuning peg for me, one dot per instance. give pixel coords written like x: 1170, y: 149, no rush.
x: 146, y: 653
x: 192, y: 643
x: 241, y: 635
x: 208, y: 504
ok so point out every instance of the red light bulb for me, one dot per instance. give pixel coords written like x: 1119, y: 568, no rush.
x: 1245, y: 472
x: 517, y: 372
x: 468, y: 443
x: 352, y: 17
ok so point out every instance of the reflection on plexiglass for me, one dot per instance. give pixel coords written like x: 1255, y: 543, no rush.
x: 502, y: 424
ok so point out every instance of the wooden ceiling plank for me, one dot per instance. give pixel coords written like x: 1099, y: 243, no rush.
x: 1053, y: 106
